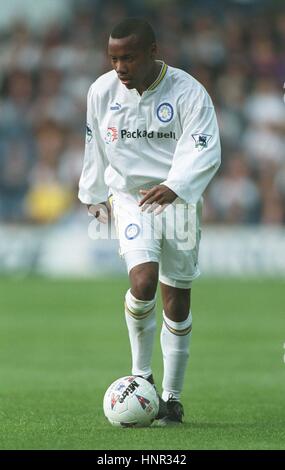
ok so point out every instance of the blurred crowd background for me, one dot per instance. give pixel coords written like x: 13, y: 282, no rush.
x: 234, y: 48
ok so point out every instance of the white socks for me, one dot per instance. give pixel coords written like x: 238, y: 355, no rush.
x: 140, y: 318
x: 175, y: 341
x: 174, y: 338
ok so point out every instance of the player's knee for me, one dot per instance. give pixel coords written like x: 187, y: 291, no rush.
x: 143, y: 289
x: 144, y: 282
x: 176, y: 309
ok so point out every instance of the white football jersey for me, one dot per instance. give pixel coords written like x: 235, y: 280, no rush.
x: 167, y: 135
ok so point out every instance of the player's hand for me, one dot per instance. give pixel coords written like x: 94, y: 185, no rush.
x: 101, y: 211
x: 156, y: 199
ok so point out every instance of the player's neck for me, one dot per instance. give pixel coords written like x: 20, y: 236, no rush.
x: 152, y: 76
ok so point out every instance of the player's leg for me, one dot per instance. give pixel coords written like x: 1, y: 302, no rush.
x: 179, y: 266
x: 175, y: 343
x: 175, y: 339
x: 140, y: 309
x: 141, y: 252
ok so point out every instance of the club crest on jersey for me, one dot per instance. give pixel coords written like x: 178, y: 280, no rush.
x: 89, y: 133
x: 165, y: 112
x: 132, y: 231
x: 201, y: 140
x: 111, y: 135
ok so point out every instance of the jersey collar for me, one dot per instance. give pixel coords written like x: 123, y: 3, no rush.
x: 160, y: 77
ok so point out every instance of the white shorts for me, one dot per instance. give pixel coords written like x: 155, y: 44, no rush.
x: 171, y: 238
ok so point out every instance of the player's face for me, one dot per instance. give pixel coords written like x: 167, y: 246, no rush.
x: 133, y: 63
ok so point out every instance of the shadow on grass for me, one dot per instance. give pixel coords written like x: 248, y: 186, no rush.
x: 204, y: 425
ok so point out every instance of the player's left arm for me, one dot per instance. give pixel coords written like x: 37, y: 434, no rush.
x: 197, y: 155
x: 156, y: 198
x: 196, y: 159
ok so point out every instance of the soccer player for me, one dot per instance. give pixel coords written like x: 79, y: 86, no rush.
x: 153, y: 144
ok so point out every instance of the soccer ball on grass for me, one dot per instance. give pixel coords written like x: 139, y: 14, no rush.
x: 131, y: 402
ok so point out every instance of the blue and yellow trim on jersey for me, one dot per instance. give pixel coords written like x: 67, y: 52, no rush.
x: 159, y: 78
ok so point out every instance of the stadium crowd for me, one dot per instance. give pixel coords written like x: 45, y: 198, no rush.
x: 236, y: 52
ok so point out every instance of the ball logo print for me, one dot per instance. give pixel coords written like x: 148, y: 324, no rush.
x: 144, y: 402
x: 165, y: 112
x: 111, y: 135
x: 135, y: 405
x: 114, y: 399
x: 128, y: 391
x: 120, y: 386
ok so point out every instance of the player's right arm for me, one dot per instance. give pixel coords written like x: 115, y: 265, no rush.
x: 101, y: 211
x: 92, y: 187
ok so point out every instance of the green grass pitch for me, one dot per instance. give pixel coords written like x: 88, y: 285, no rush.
x: 63, y: 342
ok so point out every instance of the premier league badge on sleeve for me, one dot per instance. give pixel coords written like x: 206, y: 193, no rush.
x: 165, y: 112
x: 201, y: 140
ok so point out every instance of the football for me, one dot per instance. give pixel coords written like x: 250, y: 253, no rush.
x: 131, y: 402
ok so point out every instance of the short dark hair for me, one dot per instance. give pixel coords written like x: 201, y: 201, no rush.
x: 137, y: 26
